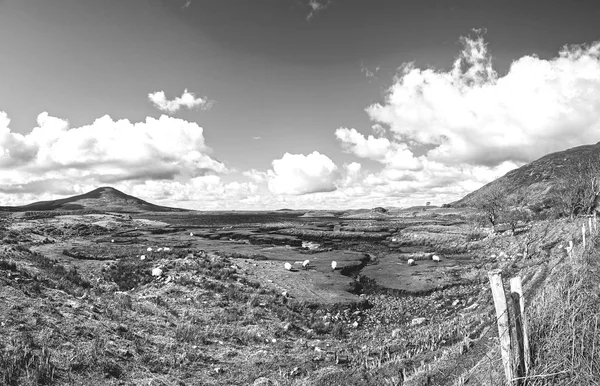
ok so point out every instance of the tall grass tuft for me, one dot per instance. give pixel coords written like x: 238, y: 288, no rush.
x: 22, y: 362
x: 565, y: 328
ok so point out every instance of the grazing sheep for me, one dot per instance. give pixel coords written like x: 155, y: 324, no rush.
x: 112, y: 241
x: 287, y: 266
x: 411, y: 262
x: 157, y: 271
x: 143, y: 257
x: 191, y: 234
x: 333, y: 265
x: 149, y: 249
x: 166, y: 249
x: 435, y: 258
x: 159, y: 250
x: 305, y: 264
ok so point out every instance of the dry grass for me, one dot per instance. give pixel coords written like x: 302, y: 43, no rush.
x: 565, y: 335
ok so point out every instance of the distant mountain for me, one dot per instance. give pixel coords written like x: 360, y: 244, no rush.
x: 535, y: 181
x: 105, y: 199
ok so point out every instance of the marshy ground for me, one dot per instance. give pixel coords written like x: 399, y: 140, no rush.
x: 78, y: 305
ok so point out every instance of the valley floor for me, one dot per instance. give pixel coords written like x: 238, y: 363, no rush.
x: 79, y: 305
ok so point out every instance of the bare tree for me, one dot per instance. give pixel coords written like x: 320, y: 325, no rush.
x: 491, y: 204
x: 578, y: 192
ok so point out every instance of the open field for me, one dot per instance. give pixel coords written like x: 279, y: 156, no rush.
x: 79, y: 306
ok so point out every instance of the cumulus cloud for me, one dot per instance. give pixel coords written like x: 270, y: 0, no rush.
x: 440, y: 134
x: 298, y: 174
x: 315, y: 7
x: 470, y: 115
x: 204, y: 192
x: 395, y: 155
x: 107, y: 152
x: 187, y: 99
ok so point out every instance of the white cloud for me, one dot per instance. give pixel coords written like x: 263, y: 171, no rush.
x: 470, y: 115
x: 187, y: 99
x: 315, y: 7
x: 369, y: 73
x: 442, y: 134
x: 298, y: 174
x: 52, y: 156
x: 394, y: 155
x: 204, y: 192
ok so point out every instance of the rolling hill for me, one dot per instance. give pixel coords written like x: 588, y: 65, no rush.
x: 536, y: 180
x: 102, y: 199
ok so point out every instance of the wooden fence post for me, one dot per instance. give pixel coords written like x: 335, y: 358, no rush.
x: 503, y: 324
x: 590, y: 225
x: 524, y: 360
x: 595, y: 223
x: 583, y: 234
x: 571, y: 249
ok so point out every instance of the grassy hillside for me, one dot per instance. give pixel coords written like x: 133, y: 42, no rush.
x: 535, y: 182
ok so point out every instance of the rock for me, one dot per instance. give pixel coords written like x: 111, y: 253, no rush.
x: 295, y: 372
x: 341, y: 359
x: 263, y: 381
x: 122, y: 328
x: 454, y: 303
x: 288, y: 326
x: 284, y: 294
x: 355, y: 324
x: 396, y: 333
x: 219, y: 370
x: 418, y: 321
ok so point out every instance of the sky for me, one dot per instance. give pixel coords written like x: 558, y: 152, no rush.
x: 302, y: 104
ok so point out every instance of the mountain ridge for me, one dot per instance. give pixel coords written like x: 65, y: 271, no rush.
x: 104, y: 198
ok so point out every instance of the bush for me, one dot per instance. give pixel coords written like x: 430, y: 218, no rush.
x: 131, y: 273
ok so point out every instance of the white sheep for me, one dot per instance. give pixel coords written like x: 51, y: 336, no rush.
x: 435, y: 258
x: 112, y: 241
x: 143, y: 257
x: 157, y: 271
x: 191, y: 234
x: 333, y: 265
x: 287, y: 266
x: 149, y: 249
x: 166, y: 249
x: 411, y: 262
x: 305, y: 264
x: 159, y: 250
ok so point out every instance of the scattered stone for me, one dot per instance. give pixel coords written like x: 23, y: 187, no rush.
x: 341, y: 358
x: 264, y: 381
x: 295, y: 372
x: 418, y: 321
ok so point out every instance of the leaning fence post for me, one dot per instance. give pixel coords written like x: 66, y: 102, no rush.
x: 516, y: 293
x: 583, y: 234
x: 590, y: 224
x: 595, y: 223
x: 503, y: 325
